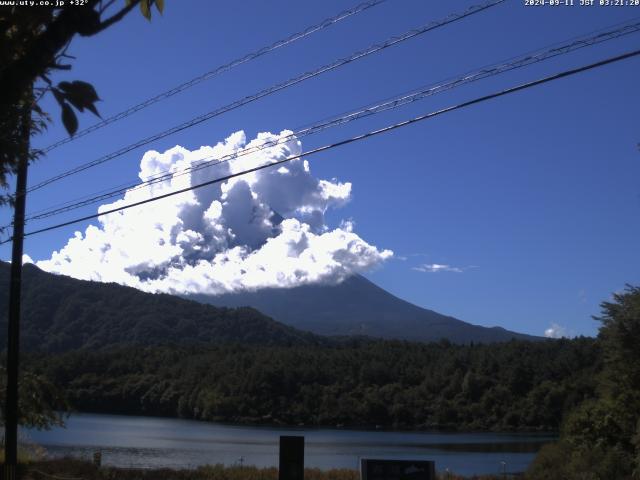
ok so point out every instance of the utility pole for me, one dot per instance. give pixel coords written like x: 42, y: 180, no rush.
x: 13, y: 336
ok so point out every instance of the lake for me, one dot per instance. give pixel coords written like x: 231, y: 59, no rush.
x: 145, y: 442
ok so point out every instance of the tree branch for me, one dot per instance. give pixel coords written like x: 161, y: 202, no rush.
x: 115, y: 18
x: 38, y: 58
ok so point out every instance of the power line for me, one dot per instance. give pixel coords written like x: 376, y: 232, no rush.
x: 599, y: 36
x: 218, y: 70
x: 347, y: 141
x: 592, y: 38
x: 273, y: 89
x: 514, y: 63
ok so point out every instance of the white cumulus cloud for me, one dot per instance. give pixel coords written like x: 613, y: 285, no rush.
x: 556, y: 331
x: 264, y: 229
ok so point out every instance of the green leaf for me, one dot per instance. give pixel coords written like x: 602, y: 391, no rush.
x: 81, y: 95
x: 74, y: 101
x: 80, y: 89
x: 58, y: 95
x: 92, y: 108
x: 160, y: 6
x: 69, y: 119
x: 144, y: 8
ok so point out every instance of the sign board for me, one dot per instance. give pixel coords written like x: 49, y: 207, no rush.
x: 291, y: 458
x: 375, y: 469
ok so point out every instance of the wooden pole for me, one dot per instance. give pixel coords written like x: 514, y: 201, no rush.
x: 13, y: 336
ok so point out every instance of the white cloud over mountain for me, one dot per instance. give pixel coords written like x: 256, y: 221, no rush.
x: 264, y: 229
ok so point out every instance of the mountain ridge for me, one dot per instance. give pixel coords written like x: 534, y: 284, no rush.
x: 364, y: 308
x: 61, y: 313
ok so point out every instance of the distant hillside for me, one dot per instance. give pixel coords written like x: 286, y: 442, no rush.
x: 61, y: 313
x: 359, y: 307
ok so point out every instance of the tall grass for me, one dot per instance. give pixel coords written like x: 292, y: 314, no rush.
x: 74, y: 469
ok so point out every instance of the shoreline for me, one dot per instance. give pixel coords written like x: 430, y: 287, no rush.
x: 369, y: 428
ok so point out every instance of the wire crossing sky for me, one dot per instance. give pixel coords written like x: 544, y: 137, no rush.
x: 218, y: 70
x: 375, y: 48
x: 485, y: 72
x: 348, y: 141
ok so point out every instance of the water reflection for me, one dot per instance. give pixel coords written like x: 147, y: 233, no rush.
x: 144, y: 442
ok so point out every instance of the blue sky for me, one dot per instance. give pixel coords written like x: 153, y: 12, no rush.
x: 535, y: 197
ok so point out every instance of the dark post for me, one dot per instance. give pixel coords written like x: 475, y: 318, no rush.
x: 13, y: 336
x: 291, y: 458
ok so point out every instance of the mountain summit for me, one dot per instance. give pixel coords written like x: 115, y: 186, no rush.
x: 359, y: 307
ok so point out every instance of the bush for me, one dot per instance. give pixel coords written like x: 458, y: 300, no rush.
x: 563, y: 461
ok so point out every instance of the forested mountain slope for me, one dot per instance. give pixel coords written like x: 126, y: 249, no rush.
x: 61, y: 313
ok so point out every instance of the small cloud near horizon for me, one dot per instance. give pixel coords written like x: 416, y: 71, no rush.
x: 556, y: 331
x: 406, y: 256
x: 436, y: 267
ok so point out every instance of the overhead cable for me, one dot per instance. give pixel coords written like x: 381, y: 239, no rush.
x: 474, y: 9
x: 396, y: 102
x: 216, y: 71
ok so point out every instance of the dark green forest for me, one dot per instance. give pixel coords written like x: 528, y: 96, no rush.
x: 517, y: 385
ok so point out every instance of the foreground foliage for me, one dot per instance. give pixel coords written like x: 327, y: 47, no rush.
x: 41, y: 403
x: 68, y: 468
x: 517, y: 385
x: 601, y: 438
x: 33, y: 48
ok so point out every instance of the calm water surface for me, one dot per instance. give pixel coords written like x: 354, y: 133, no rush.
x: 161, y: 442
